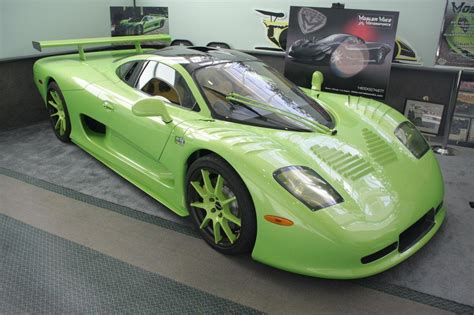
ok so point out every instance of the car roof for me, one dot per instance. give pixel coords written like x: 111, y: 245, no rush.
x: 194, y: 57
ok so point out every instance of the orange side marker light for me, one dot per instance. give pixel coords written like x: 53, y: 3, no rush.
x: 278, y: 220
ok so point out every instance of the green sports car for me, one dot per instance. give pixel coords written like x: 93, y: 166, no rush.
x: 139, y: 25
x: 315, y: 183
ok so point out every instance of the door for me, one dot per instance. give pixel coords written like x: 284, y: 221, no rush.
x: 148, y: 23
x: 140, y: 140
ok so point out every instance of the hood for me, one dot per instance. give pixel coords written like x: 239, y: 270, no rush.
x: 378, y: 177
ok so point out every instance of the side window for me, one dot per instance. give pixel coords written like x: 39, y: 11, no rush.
x: 158, y: 79
x: 129, y: 72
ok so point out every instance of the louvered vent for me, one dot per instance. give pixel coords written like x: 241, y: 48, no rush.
x: 379, y: 150
x: 346, y: 164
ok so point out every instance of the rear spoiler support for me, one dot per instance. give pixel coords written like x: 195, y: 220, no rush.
x: 80, y: 43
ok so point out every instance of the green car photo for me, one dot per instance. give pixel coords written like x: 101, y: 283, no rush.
x: 140, y: 25
x: 320, y: 184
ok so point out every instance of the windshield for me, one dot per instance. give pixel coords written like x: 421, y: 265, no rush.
x: 257, y: 81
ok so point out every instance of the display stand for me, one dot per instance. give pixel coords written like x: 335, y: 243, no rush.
x: 443, y: 149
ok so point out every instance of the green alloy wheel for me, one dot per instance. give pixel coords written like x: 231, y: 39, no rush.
x: 58, y: 114
x: 220, y: 206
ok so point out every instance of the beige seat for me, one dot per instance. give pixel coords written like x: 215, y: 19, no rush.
x: 157, y: 87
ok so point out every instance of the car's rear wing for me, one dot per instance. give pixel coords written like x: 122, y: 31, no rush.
x: 80, y: 43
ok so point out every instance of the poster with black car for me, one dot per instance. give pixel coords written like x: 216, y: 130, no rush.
x: 456, y: 42
x: 352, y: 48
x: 138, y: 20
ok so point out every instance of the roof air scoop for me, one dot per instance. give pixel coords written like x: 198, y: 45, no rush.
x: 202, y: 48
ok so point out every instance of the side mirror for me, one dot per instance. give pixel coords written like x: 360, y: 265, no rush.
x: 152, y: 107
x: 317, y: 80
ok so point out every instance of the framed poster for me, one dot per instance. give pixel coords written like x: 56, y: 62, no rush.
x: 424, y: 115
x: 352, y: 48
x: 462, y: 126
x: 138, y: 20
x: 456, y: 42
x: 460, y: 129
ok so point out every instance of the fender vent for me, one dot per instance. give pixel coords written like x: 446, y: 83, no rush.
x: 346, y: 164
x: 379, y: 150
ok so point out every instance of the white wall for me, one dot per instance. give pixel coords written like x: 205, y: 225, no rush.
x: 201, y: 21
x: 28, y: 20
x: 1, y: 28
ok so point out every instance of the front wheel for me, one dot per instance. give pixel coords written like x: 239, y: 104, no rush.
x: 220, y: 206
x: 58, y: 113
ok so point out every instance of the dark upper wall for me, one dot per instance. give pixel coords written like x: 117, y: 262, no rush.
x: 20, y: 102
x: 21, y: 105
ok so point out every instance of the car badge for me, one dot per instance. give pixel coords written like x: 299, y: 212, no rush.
x: 179, y: 140
x: 310, y: 20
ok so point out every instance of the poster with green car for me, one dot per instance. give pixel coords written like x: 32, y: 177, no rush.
x: 456, y: 42
x: 138, y: 20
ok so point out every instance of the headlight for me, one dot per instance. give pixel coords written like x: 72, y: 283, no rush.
x: 307, y: 186
x: 407, y: 133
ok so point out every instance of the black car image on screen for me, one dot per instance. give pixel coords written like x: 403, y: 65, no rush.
x: 339, y: 48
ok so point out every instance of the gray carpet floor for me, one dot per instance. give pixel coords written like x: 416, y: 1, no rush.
x: 59, y: 277
x: 36, y: 152
x: 444, y: 267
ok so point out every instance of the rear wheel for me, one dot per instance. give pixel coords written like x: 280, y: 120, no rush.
x: 220, y: 206
x: 58, y: 113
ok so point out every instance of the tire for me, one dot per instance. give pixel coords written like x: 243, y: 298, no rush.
x: 58, y: 113
x: 139, y: 30
x: 162, y: 22
x: 221, y: 209
x: 283, y: 39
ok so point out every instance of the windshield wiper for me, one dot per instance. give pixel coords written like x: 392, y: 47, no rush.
x: 235, y: 97
x: 246, y: 106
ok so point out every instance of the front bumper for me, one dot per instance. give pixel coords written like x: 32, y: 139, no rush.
x: 354, y: 268
x: 329, y: 258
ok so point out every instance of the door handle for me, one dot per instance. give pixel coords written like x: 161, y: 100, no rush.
x: 108, y: 106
